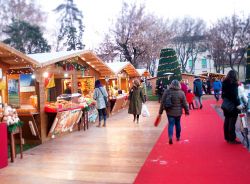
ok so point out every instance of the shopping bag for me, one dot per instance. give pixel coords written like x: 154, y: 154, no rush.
x: 157, y: 120
x: 144, y: 111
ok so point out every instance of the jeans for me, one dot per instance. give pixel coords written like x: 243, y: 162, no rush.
x: 102, y: 113
x: 198, y: 100
x: 217, y: 94
x: 171, y: 122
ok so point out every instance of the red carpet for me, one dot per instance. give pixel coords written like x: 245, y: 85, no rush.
x: 202, y: 156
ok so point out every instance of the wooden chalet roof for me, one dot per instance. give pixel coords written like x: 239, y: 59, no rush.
x: 15, y: 59
x: 82, y: 56
x: 213, y: 75
x: 117, y: 67
x: 143, y: 72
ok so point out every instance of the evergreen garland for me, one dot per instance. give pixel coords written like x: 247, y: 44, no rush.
x: 248, y: 66
x: 13, y: 127
x: 168, y: 63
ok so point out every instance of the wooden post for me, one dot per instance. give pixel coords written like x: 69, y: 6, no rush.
x: 41, y: 102
x: 74, y: 82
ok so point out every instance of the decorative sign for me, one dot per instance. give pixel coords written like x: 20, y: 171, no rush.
x: 13, y: 92
x: 65, y: 121
x: 27, y: 84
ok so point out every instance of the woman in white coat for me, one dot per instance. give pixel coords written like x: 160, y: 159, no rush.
x: 99, y: 94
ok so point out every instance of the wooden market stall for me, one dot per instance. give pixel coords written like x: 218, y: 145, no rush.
x: 120, y: 83
x: 62, y: 76
x: 19, y: 90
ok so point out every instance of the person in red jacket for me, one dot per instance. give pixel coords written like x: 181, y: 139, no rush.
x: 190, y: 98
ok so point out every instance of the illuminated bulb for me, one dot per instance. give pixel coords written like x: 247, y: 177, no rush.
x: 66, y: 75
x: 45, y: 74
x: 33, y: 76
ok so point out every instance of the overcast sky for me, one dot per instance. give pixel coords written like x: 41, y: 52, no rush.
x: 100, y: 14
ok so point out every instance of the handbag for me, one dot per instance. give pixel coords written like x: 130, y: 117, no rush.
x: 105, y: 99
x: 157, y: 121
x: 144, y: 111
x: 227, y: 105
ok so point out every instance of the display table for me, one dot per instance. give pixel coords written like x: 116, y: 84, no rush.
x: 13, y: 143
x: 84, y: 120
x: 30, y: 129
x: 118, y: 104
x: 3, y: 145
x: 63, y: 121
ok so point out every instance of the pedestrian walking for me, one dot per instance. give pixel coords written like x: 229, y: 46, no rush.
x: 100, y: 94
x: 204, y: 86
x: 217, y: 88
x: 184, y: 87
x: 198, y: 92
x: 208, y: 82
x: 230, y: 94
x: 136, y: 98
x: 160, y: 90
x: 190, y: 99
x: 174, y: 112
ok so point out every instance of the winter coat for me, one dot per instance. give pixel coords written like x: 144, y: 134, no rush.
x: 99, y: 94
x: 198, y: 87
x: 160, y: 89
x: 190, y: 97
x: 217, y: 85
x: 230, y: 91
x: 136, y: 98
x: 184, y: 88
x: 179, y: 101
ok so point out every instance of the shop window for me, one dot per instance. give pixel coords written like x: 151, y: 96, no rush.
x: 204, y: 63
x: 190, y: 63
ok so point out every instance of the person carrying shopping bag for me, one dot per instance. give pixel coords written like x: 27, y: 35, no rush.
x: 136, y: 98
x: 173, y: 101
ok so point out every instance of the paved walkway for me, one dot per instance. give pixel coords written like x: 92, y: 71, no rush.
x: 113, y: 154
x: 108, y: 155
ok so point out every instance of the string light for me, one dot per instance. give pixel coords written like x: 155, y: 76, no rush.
x: 45, y: 74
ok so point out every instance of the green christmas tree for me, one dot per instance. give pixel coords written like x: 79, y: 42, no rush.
x: 169, y: 67
x: 248, y: 66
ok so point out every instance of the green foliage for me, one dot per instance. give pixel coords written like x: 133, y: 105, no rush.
x: 168, y: 63
x: 71, y: 30
x: 13, y: 127
x: 248, y: 66
x: 25, y: 37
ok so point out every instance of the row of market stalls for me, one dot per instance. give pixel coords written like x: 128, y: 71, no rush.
x: 51, y: 92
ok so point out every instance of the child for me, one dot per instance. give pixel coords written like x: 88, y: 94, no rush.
x: 190, y: 98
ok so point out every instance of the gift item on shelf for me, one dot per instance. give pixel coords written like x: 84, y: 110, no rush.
x: 10, y: 115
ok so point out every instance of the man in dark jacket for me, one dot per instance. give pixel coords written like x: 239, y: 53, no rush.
x: 198, y: 91
x: 178, y: 101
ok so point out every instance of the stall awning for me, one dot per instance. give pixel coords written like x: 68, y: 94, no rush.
x: 81, y: 56
x: 117, y: 67
x: 14, y: 58
x: 213, y: 75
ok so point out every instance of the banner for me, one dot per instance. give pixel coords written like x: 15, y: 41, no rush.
x: 50, y: 81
